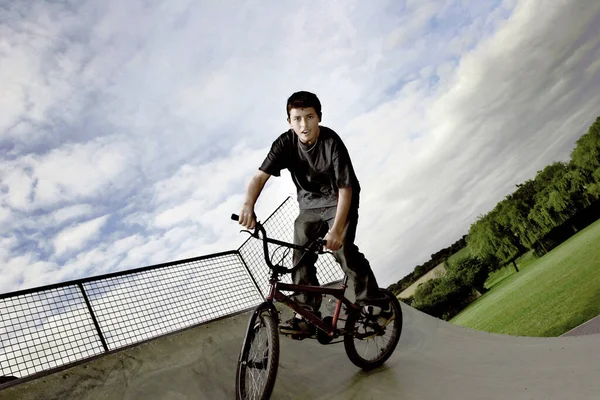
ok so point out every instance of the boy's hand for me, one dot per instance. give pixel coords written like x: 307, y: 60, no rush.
x: 247, y: 217
x: 333, y: 240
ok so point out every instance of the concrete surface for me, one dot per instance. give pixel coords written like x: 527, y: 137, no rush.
x: 433, y: 360
x: 590, y: 327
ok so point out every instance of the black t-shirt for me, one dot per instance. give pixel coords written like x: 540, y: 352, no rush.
x: 318, y: 170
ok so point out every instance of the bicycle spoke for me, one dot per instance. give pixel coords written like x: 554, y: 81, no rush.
x: 373, y: 338
x: 257, y: 376
x: 366, y: 350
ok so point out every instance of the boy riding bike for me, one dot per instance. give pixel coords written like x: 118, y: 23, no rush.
x: 328, y: 196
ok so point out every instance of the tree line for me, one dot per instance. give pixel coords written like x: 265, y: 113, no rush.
x: 542, y: 212
x: 435, y: 260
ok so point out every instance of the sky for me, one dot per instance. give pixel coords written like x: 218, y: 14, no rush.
x: 129, y: 130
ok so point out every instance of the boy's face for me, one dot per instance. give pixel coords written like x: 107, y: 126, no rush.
x: 305, y: 123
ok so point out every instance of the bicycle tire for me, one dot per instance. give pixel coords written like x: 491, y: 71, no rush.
x: 357, y: 319
x: 268, y: 323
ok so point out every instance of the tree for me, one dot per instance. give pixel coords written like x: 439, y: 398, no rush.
x: 557, y: 198
x: 492, y: 239
x: 470, y: 272
x: 563, y: 194
x: 517, y: 212
x: 482, y: 240
x: 442, y: 297
x: 586, y: 154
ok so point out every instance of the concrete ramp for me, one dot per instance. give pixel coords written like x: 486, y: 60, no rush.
x: 434, y: 360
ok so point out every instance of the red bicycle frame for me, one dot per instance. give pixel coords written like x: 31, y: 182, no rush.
x: 276, y: 287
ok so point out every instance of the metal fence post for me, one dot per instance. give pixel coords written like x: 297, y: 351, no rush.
x: 250, y: 273
x: 89, y: 306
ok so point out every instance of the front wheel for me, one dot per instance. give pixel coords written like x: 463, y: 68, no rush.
x: 259, y: 358
x: 371, y: 336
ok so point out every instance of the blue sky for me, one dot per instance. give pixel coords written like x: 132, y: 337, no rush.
x: 129, y: 130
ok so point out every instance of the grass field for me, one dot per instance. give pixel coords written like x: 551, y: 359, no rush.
x: 548, y: 297
x: 462, y: 253
x: 498, y: 276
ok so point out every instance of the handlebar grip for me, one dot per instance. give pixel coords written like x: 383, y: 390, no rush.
x: 235, y: 217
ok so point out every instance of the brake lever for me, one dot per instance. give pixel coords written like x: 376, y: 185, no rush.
x: 253, y: 234
x: 321, y: 243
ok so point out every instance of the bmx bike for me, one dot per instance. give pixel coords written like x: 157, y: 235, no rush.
x: 370, y: 333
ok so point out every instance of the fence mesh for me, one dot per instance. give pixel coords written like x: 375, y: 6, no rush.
x: 136, y: 307
x: 43, y: 330
x: 280, y: 226
x: 53, y: 326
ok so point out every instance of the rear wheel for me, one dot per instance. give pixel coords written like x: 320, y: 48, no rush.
x: 371, y: 336
x: 259, y: 358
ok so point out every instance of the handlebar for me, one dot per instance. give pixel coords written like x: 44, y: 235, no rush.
x: 316, y: 246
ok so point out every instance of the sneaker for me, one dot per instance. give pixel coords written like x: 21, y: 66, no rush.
x: 295, y: 326
x: 380, y: 307
x: 387, y: 312
x: 380, y: 301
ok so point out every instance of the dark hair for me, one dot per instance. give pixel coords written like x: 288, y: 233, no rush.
x: 304, y: 100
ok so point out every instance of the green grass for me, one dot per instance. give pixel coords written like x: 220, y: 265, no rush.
x: 549, y: 296
x: 462, y: 253
x: 498, y: 276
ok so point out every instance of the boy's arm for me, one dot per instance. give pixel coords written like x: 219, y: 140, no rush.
x: 255, y: 187
x: 335, y: 235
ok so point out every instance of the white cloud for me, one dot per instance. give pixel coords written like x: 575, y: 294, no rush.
x: 66, y: 174
x: 80, y: 170
x: 35, y: 74
x: 445, y: 106
x: 107, y: 256
x: 75, y: 237
x: 20, y: 269
x: 70, y: 212
x: 411, y: 27
x: 6, y: 243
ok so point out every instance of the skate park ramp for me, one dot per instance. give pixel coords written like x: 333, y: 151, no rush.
x: 433, y: 360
